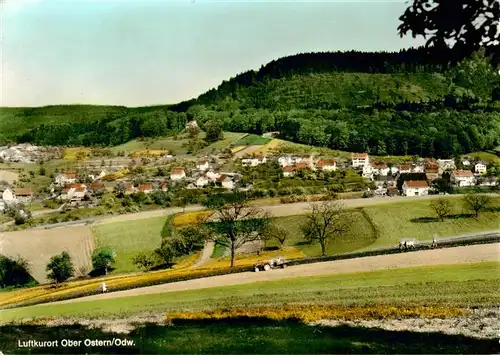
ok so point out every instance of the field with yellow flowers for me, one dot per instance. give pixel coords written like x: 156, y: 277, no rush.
x: 187, y: 218
x: 76, y: 153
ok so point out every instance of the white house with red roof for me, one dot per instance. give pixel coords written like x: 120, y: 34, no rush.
x: 326, y: 165
x: 288, y: 171
x: 177, y: 174
x: 360, y: 159
x: 463, y: 178
x: 64, y: 178
x: 380, y: 169
x: 146, y: 188
x: 480, y: 168
x: 415, y: 188
x: 203, y: 165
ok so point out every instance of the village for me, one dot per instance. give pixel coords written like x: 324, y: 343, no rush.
x: 87, y: 183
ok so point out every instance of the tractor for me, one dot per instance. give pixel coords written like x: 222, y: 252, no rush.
x: 278, y: 263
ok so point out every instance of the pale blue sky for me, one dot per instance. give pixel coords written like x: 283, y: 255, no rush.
x: 147, y: 52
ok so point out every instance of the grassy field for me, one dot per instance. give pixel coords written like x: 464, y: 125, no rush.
x: 128, y: 239
x: 252, y: 139
x: 489, y: 157
x: 360, y: 235
x: 452, y: 285
x: 176, y: 146
x: 417, y: 220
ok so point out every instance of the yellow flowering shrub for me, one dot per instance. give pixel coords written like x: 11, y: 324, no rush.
x: 187, y: 218
x: 314, y: 312
x: 144, y: 153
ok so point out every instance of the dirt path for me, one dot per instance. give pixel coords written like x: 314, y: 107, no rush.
x: 289, y: 209
x: 465, y: 254
x: 205, y: 255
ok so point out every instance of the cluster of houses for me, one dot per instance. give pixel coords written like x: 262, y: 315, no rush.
x: 385, y: 176
x: 27, y: 153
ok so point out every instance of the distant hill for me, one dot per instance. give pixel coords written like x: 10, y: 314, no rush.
x: 408, y: 102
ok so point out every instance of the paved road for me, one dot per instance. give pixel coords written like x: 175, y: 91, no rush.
x: 457, y: 255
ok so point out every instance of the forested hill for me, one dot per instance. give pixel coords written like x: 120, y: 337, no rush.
x: 383, y: 103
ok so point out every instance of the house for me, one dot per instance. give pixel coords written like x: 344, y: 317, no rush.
x: 306, y: 160
x: 463, y: 178
x: 417, y: 168
x: 466, y: 162
x: 405, y: 169
x: 203, y: 165
x: 129, y: 188
x: 285, y: 161
x: 23, y: 194
x: 302, y: 166
x: 394, y: 170
x: 97, y: 187
x: 212, y: 176
x: 254, y: 161
x: 431, y: 173
x: 201, y: 181
x: 164, y: 186
x: 326, y: 165
x: 487, y: 181
x: 146, y: 188
x: 288, y: 171
x: 446, y: 164
x: 367, y: 171
x: 8, y: 196
x: 177, y: 174
x: 380, y: 169
x: 480, y: 168
x: 62, y: 178
x: 360, y: 160
x: 225, y: 181
x: 415, y: 188
x: 73, y: 193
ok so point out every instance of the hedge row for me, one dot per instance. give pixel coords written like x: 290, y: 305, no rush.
x: 485, y: 239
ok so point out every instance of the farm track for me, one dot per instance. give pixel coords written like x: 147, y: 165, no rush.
x: 456, y: 255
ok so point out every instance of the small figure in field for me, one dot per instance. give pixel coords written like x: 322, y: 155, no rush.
x: 104, y: 288
x: 434, y: 241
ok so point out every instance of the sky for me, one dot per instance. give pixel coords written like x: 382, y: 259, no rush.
x: 148, y: 52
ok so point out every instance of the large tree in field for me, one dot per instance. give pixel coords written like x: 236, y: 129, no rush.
x: 235, y: 221
x: 60, y: 267
x: 476, y: 202
x: 328, y: 220
x: 464, y: 25
x: 102, y: 259
x: 441, y: 207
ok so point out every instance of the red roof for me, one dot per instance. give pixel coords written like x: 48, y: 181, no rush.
x: 202, y: 162
x: 432, y: 170
x: 23, y: 192
x: 326, y: 162
x: 288, y: 169
x: 74, y: 185
x: 69, y: 175
x: 414, y: 184
x: 80, y: 189
x: 405, y: 167
x: 177, y: 171
x: 463, y: 173
x: 301, y: 166
x: 379, y: 166
x: 145, y: 187
x: 360, y: 155
x: 97, y: 186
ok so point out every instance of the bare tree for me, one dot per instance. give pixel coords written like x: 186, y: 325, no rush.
x: 441, y: 207
x: 273, y: 231
x: 236, y: 222
x: 476, y: 202
x: 328, y: 220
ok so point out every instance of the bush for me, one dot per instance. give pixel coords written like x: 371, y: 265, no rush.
x: 146, y: 260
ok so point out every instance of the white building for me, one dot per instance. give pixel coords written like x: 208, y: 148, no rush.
x: 394, y: 170
x: 415, y: 188
x: 254, y: 161
x: 8, y: 196
x: 418, y: 168
x: 177, y: 174
x: 405, y: 169
x: 380, y: 169
x: 360, y: 160
x: 367, y: 172
x: 285, y: 161
x: 202, y: 181
x: 62, y: 179
x: 288, y: 171
x: 446, y: 164
x: 463, y: 178
x: 480, y: 168
x: 203, y: 165
x: 226, y: 182
x: 326, y: 165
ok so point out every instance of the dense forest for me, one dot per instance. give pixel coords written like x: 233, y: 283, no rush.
x: 407, y: 102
